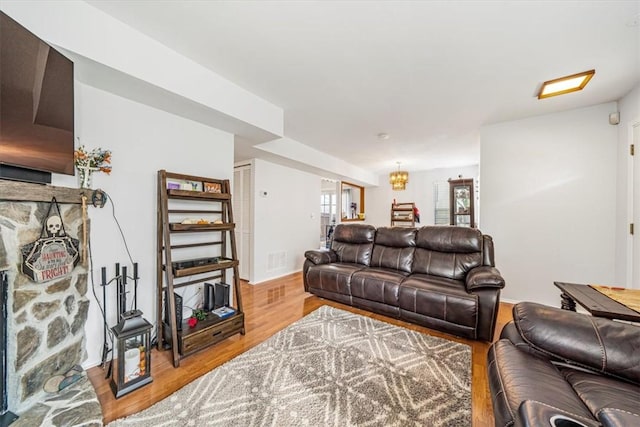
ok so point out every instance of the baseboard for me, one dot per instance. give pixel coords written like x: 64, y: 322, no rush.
x: 291, y: 273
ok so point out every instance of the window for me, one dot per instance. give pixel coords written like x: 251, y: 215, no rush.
x: 441, y: 202
x: 328, y: 203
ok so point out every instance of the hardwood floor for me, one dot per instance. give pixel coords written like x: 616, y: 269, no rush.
x: 270, y: 307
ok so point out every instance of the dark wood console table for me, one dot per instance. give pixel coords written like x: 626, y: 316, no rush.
x: 594, y: 302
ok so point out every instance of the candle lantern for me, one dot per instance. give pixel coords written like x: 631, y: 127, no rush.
x: 133, y: 369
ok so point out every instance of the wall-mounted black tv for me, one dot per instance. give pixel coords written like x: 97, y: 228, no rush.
x: 36, y: 106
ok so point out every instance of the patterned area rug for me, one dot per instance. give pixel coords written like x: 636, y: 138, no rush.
x: 330, y: 368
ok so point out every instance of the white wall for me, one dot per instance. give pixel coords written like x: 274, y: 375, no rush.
x: 629, y: 108
x: 419, y: 190
x: 143, y: 140
x: 549, y: 200
x: 286, y: 220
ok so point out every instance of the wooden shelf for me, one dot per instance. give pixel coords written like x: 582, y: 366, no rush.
x: 403, y: 213
x: 200, y: 195
x: 198, y: 211
x: 218, y: 254
x: 30, y: 192
x: 177, y: 227
x: 190, y: 271
x: 177, y: 285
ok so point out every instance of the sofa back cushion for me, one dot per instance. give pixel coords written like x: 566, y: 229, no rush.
x: 447, y: 251
x: 393, y: 248
x: 353, y: 243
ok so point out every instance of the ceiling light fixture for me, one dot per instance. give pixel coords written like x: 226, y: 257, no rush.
x: 383, y: 136
x: 398, y: 179
x: 566, y: 84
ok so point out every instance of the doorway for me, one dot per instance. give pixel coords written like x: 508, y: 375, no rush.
x: 242, y: 211
x: 328, y: 210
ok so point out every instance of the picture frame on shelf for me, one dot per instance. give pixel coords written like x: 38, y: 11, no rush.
x: 173, y: 185
x: 212, y: 187
x: 185, y: 185
x: 195, y: 185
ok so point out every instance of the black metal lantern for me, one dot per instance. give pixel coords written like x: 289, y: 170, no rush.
x: 133, y: 369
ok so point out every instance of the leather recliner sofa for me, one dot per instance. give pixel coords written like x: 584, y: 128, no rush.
x: 441, y: 277
x: 554, y: 367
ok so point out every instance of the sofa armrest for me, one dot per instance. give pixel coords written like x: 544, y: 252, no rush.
x: 484, y: 277
x: 320, y: 256
x: 595, y: 343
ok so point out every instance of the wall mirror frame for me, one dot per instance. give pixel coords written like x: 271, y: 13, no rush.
x: 352, y: 202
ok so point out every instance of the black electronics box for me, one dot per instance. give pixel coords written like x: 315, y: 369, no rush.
x: 209, y: 300
x: 178, y: 300
x: 221, y: 295
x: 198, y: 262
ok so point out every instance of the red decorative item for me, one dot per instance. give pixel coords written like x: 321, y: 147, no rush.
x: 192, y: 322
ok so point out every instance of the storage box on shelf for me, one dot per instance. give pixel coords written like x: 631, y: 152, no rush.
x: 174, y: 219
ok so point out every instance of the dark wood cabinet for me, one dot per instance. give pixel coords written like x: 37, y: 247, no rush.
x: 461, y: 202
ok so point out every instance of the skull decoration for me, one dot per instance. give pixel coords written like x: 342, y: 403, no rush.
x: 54, y: 225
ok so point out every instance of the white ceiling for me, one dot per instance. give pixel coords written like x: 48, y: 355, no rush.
x: 428, y: 73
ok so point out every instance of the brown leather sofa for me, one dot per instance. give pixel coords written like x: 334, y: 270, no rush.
x: 440, y: 277
x: 557, y: 364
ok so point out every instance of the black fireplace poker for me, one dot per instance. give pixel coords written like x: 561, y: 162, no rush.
x: 121, y: 302
x: 6, y: 416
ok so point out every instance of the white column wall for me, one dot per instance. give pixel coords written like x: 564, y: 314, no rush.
x: 629, y: 108
x: 549, y: 200
x: 143, y: 140
x: 286, y: 219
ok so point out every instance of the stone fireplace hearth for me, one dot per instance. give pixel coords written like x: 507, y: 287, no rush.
x: 45, y: 321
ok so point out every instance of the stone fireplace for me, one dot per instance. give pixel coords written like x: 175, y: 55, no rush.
x: 45, y: 321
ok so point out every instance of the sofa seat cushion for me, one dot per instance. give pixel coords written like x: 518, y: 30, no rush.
x: 516, y: 376
x: 377, y: 284
x: 439, y: 298
x: 334, y: 277
x: 601, y: 393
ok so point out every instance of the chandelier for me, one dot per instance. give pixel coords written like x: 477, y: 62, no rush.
x: 398, y: 179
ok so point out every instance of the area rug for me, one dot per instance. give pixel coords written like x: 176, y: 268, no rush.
x: 330, y: 368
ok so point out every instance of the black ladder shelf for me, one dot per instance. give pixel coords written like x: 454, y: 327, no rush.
x: 171, y: 275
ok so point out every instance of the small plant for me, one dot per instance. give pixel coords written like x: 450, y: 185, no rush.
x: 199, y: 314
x: 96, y: 159
x: 87, y: 162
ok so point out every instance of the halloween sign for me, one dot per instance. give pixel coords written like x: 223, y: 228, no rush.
x: 54, y: 254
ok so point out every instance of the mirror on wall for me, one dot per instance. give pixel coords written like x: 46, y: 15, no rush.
x: 352, y: 198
